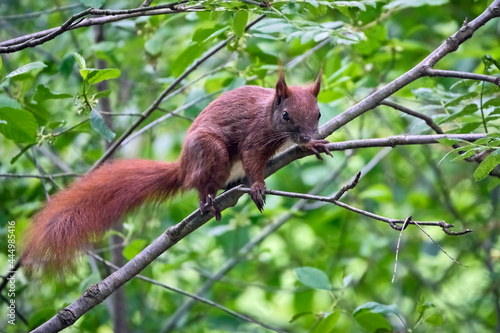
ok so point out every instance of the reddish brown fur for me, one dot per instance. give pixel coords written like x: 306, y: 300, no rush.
x: 88, y: 208
x: 246, y: 124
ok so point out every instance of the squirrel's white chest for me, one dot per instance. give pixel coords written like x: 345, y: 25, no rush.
x: 237, y: 172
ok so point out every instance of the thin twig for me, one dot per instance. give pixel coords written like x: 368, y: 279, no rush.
x: 348, y: 187
x: 168, y: 115
x: 55, y: 175
x: 390, y: 221
x: 27, y: 16
x: 428, y: 120
x: 397, y: 247
x: 455, y: 261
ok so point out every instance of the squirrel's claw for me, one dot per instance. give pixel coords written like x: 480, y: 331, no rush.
x: 317, y: 146
x: 258, y: 195
x: 209, y: 206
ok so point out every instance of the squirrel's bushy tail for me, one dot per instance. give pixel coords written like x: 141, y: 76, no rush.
x: 78, y: 215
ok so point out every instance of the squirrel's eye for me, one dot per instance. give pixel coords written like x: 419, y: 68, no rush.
x: 285, y: 115
x: 319, y: 115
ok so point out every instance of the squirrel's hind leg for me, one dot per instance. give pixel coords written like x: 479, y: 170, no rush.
x: 207, y: 168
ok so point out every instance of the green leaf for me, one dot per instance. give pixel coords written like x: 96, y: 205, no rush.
x: 93, y: 3
x: 153, y: 46
x: 17, y: 124
x: 313, y: 277
x: 464, y: 156
x: 327, y: 324
x: 373, y: 316
x: 99, y: 125
x: 93, y: 75
x: 9, y: 102
x: 240, y: 22
x: 102, y: 93
x: 492, y: 102
x: 488, y: 164
x: 447, y: 142
x: 435, y: 320
x: 424, y: 306
x: 133, y: 249
x: 186, y: 58
x: 43, y: 93
x: 80, y: 60
x: 66, y: 66
x: 414, y: 3
x: 373, y: 322
x: 461, y: 98
x: 203, y: 35
x: 466, y: 111
x: 23, y: 150
x: 379, y: 308
x: 37, y: 65
x: 298, y: 315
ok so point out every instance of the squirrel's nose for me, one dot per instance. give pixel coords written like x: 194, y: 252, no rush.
x: 304, y: 138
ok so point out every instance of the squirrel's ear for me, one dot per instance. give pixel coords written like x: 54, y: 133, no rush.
x: 281, y: 87
x: 317, y: 85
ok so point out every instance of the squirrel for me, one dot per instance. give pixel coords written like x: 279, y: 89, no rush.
x: 241, y: 129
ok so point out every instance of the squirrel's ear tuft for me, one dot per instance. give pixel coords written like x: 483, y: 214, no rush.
x: 317, y: 85
x: 281, y: 87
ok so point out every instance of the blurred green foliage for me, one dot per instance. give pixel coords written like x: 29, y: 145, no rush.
x: 326, y: 269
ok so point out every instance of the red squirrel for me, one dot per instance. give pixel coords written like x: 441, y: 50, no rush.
x: 242, y: 128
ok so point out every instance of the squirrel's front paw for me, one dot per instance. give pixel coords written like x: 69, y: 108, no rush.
x: 258, y: 195
x: 317, y: 146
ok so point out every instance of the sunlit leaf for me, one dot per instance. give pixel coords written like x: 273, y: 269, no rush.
x: 34, y: 66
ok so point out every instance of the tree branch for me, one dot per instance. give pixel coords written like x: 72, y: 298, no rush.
x: 20, y: 43
x: 55, y: 175
x: 462, y: 75
x: 392, y: 222
x: 428, y: 120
